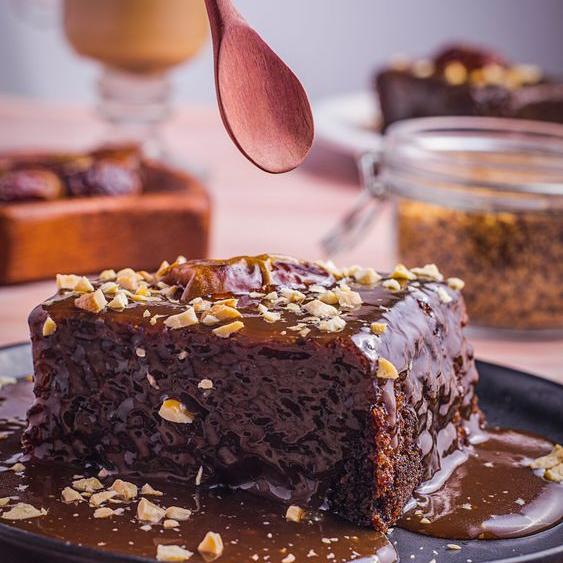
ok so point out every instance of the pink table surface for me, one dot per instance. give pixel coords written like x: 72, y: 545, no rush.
x: 253, y: 212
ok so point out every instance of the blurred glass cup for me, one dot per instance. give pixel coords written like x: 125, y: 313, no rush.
x: 138, y: 42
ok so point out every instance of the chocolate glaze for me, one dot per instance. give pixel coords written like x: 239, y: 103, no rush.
x: 493, y: 495
x: 301, y: 419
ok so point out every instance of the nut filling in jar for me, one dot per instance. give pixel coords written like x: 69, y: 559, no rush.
x: 483, y: 198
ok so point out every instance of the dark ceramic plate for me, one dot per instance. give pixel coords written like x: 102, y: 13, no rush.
x: 509, y: 398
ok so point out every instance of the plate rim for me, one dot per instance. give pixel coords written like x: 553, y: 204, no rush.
x: 52, y: 546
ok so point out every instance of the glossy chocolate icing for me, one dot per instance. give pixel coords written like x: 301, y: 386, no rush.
x: 298, y: 418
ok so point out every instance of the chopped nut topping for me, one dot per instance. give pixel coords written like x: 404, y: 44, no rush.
x: 4, y: 501
x: 93, y: 302
x: 178, y: 513
x: 211, y: 546
x: 199, y: 476
x: 428, y: 272
x: 146, y: 489
x: 393, y: 285
x: 119, y: 302
x: 256, y: 294
x: 49, y: 327
x: 110, y: 288
x: 444, y: 296
x: 187, y: 318
x: 319, y: 309
x: 174, y: 411
x: 366, y: 276
x: 294, y: 308
x: 453, y: 546
x: 210, y: 320
x: 205, y: 384
x: 162, y: 269
x: 74, y: 283
x: 128, y: 279
x: 230, y: 302
x: 23, y: 511
x: 70, y: 495
x: 107, y: 275
x: 294, y: 513
x: 424, y: 521
x: 125, y: 489
x: 149, y: 512
x: 402, y: 273
x: 200, y: 305
x: 226, y: 330
x: 456, y: 284
x: 336, y: 324
x: 270, y: 316
x: 378, y: 328
x: 140, y: 352
x: 347, y: 298
x: 170, y: 524
x: 552, y: 463
x: 17, y: 467
x: 386, y: 370
x: 317, y: 288
x: 104, y: 512
x: 89, y: 485
x: 172, y: 553
x: 289, y: 558
x: 272, y: 296
x: 99, y: 498
x: 221, y: 312
x: 304, y: 332
x: 329, y: 297
x: 292, y: 295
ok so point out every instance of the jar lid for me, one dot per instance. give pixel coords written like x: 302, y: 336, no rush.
x: 476, y: 163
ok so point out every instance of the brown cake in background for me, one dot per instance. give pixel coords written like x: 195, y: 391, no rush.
x: 465, y: 80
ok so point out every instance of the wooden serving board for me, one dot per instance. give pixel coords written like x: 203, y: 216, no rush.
x: 85, y: 235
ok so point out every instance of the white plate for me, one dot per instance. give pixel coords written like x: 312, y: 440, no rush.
x: 349, y: 123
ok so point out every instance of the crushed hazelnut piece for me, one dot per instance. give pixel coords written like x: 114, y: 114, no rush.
x: 103, y: 512
x: 256, y: 294
x: 211, y: 546
x: 401, y: 272
x: 428, y: 272
x: 453, y: 546
x: 111, y: 288
x: 317, y: 288
x: 205, y: 384
x: 17, y: 467
x: 89, y: 485
x: 444, y: 296
x: 330, y: 298
x: 128, y: 279
x: 178, y: 513
x: 457, y: 284
x: 386, y: 370
x: 172, y: 553
x: 552, y: 463
x: 119, y: 302
x: 210, y: 320
x: 149, y: 512
x: 187, y: 318
x: 107, y: 275
x: 378, y: 328
x: 366, y: 276
x: 229, y: 302
x: 146, y: 314
x: 226, y: 330
x: 125, y: 489
x: 140, y: 352
x: 199, y: 476
x: 23, y: 511
x: 393, y: 285
x: 170, y: 524
x: 94, y: 302
x: 70, y: 495
x: 222, y: 312
x: 174, y: 411
x: 272, y: 296
x: 293, y: 307
x: 74, y: 283
x: 146, y: 489
x: 294, y: 513
x: 200, y: 305
x: 162, y: 269
x: 292, y: 295
x: 424, y: 521
x: 348, y: 299
x: 336, y: 324
x: 455, y: 73
x: 319, y: 309
x: 4, y: 501
x: 271, y: 316
x: 49, y: 327
x: 290, y: 558
x: 99, y: 498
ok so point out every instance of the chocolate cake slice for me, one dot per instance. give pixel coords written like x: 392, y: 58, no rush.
x: 467, y: 81
x: 319, y: 387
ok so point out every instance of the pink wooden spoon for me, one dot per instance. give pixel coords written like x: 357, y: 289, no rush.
x: 263, y: 105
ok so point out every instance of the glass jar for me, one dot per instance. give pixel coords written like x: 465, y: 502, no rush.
x: 483, y: 199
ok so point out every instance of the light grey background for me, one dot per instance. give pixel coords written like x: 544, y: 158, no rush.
x: 333, y: 45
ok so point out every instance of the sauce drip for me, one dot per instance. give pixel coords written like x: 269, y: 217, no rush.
x: 492, y: 495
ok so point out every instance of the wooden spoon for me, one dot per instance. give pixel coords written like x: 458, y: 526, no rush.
x: 263, y: 105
